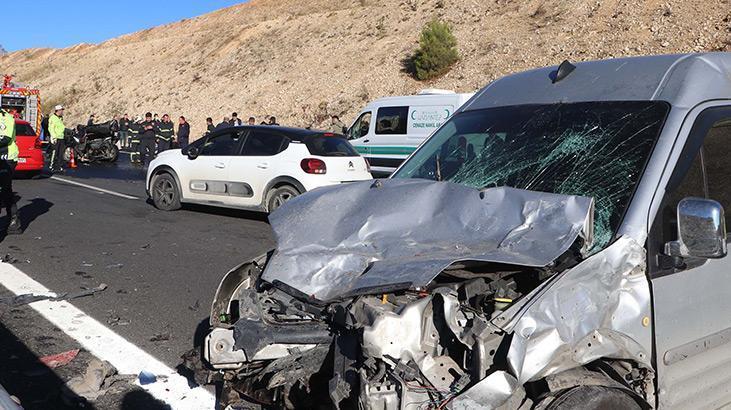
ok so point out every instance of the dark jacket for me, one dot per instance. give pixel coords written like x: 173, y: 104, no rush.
x: 165, y: 130
x: 149, y: 132
x: 235, y: 122
x: 184, y: 132
x: 124, y: 125
x: 210, y: 128
x: 222, y: 126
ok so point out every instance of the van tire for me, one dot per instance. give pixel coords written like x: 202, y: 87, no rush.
x: 277, y: 196
x: 594, y: 398
x: 165, y: 193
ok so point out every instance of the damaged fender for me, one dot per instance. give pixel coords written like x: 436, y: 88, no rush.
x: 598, y: 309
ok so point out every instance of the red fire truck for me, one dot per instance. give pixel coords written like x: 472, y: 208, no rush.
x: 23, y: 102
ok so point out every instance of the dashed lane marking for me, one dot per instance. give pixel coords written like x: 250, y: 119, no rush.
x: 105, y: 344
x: 102, y: 190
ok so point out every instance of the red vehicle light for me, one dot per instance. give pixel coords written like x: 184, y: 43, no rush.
x: 313, y: 166
x: 328, y: 134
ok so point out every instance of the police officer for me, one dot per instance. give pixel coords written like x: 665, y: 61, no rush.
x: 147, y: 139
x: 57, y: 129
x: 8, y: 161
x: 165, y: 134
x: 134, y: 140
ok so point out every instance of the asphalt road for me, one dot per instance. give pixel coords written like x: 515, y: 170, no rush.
x: 162, y: 268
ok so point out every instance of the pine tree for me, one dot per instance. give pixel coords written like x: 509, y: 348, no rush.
x: 437, y: 51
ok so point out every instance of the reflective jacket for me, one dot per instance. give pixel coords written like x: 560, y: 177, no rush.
x: 56, y: 128
x: 8, y: 147
x: 165, y: 130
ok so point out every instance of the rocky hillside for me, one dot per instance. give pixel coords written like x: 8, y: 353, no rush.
x: 302, y: 60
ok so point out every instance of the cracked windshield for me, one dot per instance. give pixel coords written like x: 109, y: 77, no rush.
x: 595, y: 149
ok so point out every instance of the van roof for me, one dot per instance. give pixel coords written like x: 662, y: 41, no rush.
x: 407, y: 99
x: 683, y: 80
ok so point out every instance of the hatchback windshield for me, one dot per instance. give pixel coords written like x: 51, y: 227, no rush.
x: 596, y: 149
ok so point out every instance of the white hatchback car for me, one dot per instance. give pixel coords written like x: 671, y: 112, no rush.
x: 252, y: 167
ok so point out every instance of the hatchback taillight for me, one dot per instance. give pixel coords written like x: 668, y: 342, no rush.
x: 313, y: 166
x: 37, y: 143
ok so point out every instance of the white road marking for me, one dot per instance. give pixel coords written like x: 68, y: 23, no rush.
x: 107, y: 345
x: 102, y: 190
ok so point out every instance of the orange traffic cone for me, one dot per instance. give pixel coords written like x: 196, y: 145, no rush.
x: 72, y: 161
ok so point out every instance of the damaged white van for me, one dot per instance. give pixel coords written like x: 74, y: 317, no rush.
x: 559, y: 243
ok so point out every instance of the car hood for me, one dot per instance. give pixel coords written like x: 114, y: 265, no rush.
x: 378, y: 236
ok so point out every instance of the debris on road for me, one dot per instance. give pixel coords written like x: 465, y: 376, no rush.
x: 160, y: 337
x: 24, y: 299
x: 115, y: 265
x: 196, y: 305
x: 61, y: 359
x: 89, y: 385
x: 146, y: 377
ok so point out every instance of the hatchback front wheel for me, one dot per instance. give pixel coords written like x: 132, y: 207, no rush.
x: 165, y: 193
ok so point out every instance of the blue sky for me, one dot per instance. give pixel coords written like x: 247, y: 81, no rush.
x: 43, y: 23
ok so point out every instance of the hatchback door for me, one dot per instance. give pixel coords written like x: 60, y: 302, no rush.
x: 263, y: 158
x: 342, y: 162
x: 205, y: 178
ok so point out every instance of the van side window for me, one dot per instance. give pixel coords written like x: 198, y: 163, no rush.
x: 392, y: 120
x: 717, y: 163
x: 360, y: 126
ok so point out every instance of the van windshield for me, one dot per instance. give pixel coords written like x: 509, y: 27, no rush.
x: 594, y: 149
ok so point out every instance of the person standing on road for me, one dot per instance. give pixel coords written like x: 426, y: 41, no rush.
x: 124, y: 130
x: 56, y: 129
x: 273, y: 120
x: 147, y: 139
x: 134, y: 140
x: 235, y: 120
x: 209, y: 125
x: 8, y: 161
x: 252, y: 121
x: 223, y: 124
x: 183, y: 132
x: 165, y: 134
x: 92, y: 118
x: 337, y: 126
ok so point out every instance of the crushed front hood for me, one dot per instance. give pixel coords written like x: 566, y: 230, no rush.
x: 349, y: 238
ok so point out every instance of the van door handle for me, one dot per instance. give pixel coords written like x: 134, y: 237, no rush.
x: 365, y: 141
x: 220, y: 165
x: 262, y: 165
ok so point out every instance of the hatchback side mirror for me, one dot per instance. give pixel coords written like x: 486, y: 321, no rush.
x: 701, y: 230
x: 193, y: 153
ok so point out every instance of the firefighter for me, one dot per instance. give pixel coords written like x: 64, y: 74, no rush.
x: 57, y: 129
x: 8, y: 161
x: 165, y: 134
x: 148, y: 132
x: 134, y: 140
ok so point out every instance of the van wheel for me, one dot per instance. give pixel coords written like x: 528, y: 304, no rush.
x: 278, y: 196
x: 594, y: 398
x: 165, y: 193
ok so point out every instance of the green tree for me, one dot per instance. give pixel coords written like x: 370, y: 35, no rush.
x: 437, y: 51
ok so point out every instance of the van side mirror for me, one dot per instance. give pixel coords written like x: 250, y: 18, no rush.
x: 193, y: 153
x: 701, y: 230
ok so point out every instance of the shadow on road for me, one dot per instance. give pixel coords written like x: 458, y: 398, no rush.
x: 219, y: 211
x: 27, y: 214
x: 25, y: 377
x: 140, y: 399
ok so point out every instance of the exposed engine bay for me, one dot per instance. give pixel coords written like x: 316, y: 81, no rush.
x: 488, y: 327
